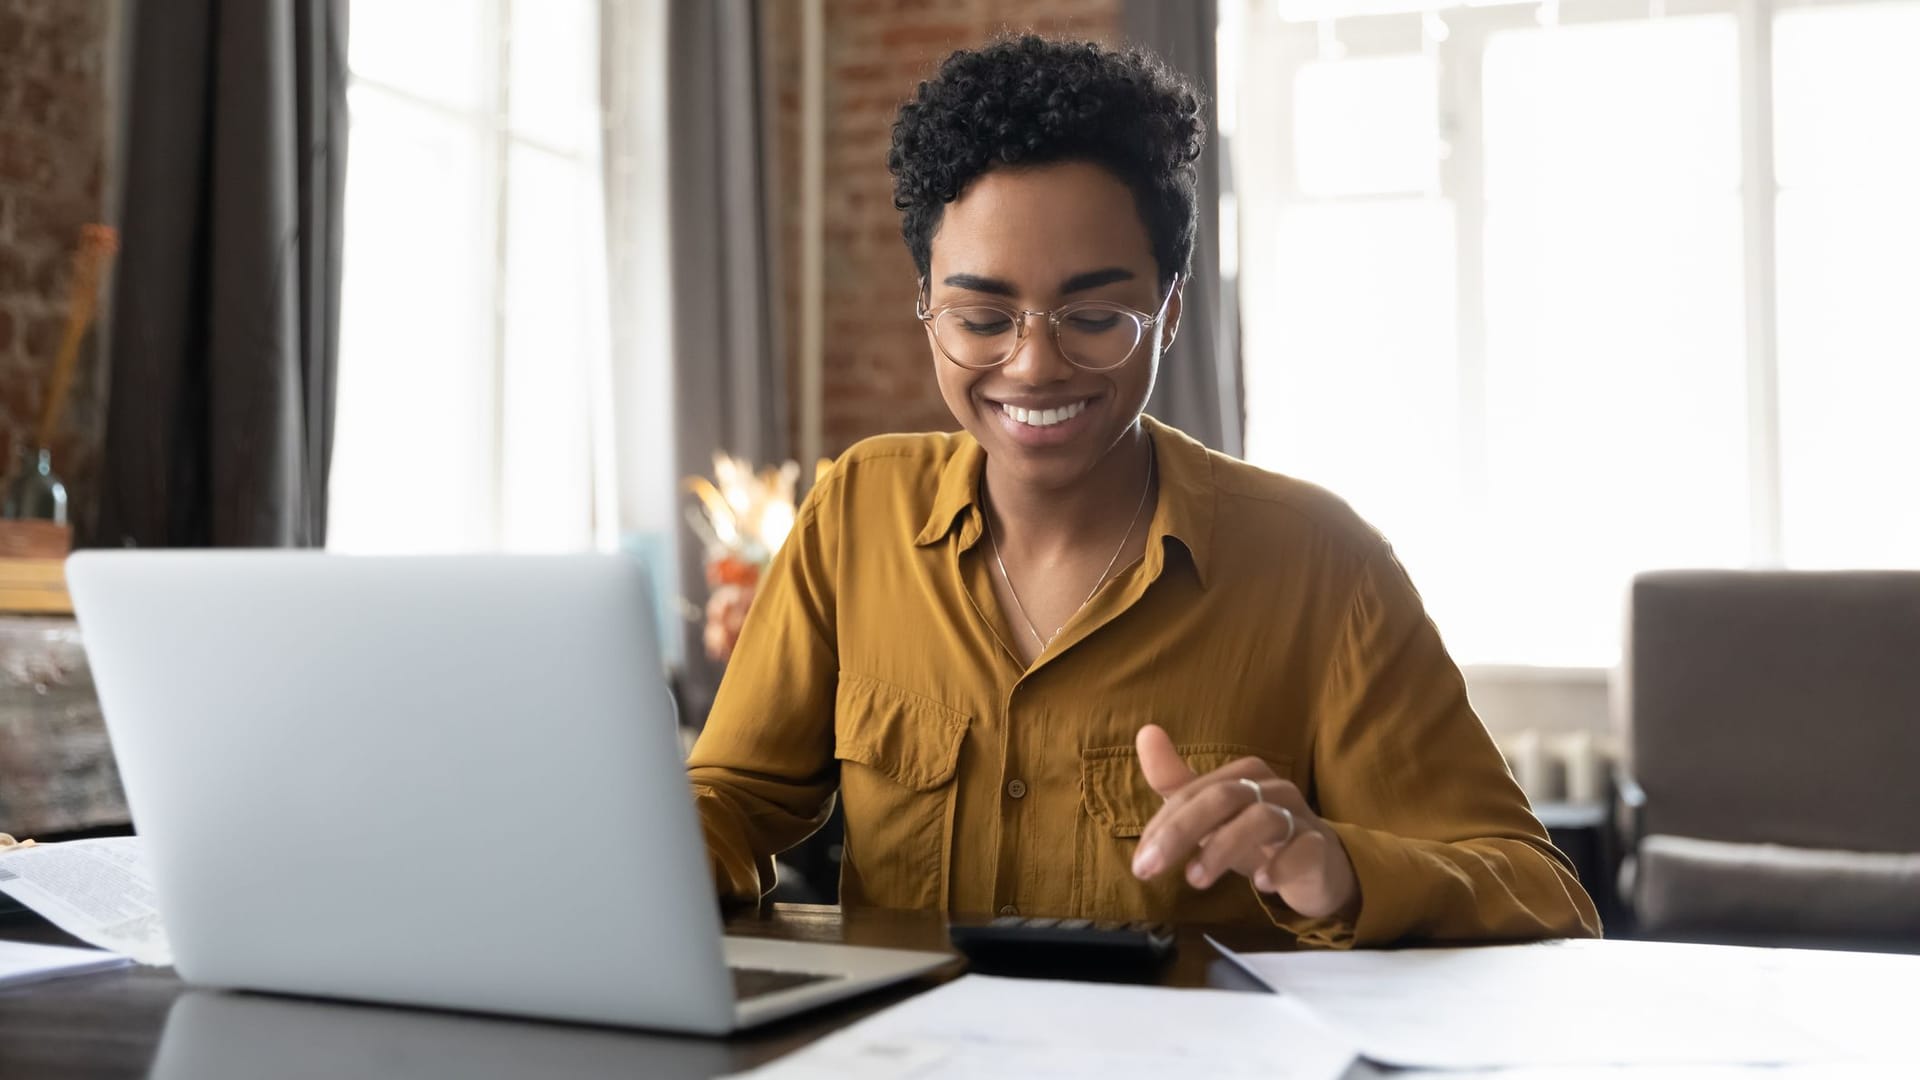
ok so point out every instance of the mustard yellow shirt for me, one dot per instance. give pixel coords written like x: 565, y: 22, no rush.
x: 1265, y: 618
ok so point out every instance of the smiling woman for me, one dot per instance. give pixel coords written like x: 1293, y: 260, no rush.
x: 1167, y: 685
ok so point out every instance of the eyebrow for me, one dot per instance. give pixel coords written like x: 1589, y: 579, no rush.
x: 1092, y: 279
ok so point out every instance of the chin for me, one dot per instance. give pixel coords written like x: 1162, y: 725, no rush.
x: 1054, y: 443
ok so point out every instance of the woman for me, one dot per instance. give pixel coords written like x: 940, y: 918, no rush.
x: 1069, y: 662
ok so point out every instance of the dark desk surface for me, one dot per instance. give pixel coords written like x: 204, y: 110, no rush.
x: 111, y: 1025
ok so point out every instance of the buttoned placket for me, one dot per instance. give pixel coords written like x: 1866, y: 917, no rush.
x: 1129, y: 585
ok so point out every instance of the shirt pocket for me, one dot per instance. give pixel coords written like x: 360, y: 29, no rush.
x: 1116, y: 804
x: 899, y: 753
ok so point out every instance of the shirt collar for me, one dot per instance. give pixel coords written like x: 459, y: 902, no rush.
x: 959, y: 493
x: 1187, y: 492
x: 1184, y: 512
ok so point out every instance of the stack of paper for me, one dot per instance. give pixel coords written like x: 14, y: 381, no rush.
x: 1578, y: 1004
x: 981, y: 1026
x: 21, y: 963
x: 97, y: 890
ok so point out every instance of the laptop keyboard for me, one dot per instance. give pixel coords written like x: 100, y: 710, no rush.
x: 758, y: 982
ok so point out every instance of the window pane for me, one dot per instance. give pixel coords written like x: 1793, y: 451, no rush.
x: 1615, y: 367
x: 554, y: 75
x: 1846, y: 87
x: 1848, y: 156
x: 1367, y: 126
x: 1314, y: 10
x: 412, y: 468
x: 434, y: 49
x: 552, y: 333
x: 1643, y: 106
x: 1350, y: 375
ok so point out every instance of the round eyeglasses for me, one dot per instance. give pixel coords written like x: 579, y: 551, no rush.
x: 1093, y: 335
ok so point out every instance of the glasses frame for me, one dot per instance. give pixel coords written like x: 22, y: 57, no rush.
x: 1020, y: 317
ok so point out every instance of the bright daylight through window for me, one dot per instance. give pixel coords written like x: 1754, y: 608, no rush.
x: 1557, y: 293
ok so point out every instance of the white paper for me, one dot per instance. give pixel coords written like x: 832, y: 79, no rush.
x: 22, y: 963
x: 1594, y: 1003
x: 97, y: 890
x: 983, y: 1026
x: 1832, y: 1071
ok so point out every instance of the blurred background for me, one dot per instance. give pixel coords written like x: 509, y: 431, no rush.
x: 1558, y: 294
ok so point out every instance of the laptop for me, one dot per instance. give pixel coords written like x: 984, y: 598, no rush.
x: 442, y: 781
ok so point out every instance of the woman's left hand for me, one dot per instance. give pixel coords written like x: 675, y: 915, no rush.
x: 1214, y: 824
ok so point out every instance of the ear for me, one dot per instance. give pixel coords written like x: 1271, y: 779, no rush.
x: 1170, y: 326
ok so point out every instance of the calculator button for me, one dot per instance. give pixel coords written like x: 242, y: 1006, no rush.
x: 1042, y: 924
x: 1075, y: 924
x: 1006, y: 920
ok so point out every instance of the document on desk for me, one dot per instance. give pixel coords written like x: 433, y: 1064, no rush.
x: 96, y: 890
x: 1596, y: 1003
x: 979, y: 1025
x: 22, y: 963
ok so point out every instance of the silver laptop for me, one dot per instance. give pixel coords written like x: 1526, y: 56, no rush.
x: 447, y: 781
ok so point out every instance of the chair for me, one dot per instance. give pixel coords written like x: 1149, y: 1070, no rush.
x: 1770, y: 792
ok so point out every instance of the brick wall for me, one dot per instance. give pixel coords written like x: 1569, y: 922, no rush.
x: 53, y: 110
x: 877, y: 374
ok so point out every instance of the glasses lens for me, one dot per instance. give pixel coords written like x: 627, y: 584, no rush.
x: 1099, y: 336
x: 976, y: 337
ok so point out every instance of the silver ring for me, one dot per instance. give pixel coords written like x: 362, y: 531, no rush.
x: 1287, y: 839
x: 1260, y: 799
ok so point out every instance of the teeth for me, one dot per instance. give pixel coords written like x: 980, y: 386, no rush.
x: 1045, y: 417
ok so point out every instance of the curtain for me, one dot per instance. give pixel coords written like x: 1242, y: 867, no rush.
x: 729, y: 388
x: 227, y: 296
x: 1199, y: 388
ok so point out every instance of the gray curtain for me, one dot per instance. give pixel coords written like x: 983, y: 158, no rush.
x: 227, y: 295
x: 1199, y: 389
x: 729, y: 389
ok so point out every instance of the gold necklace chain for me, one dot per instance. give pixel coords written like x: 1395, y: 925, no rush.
x: 1011, y: 591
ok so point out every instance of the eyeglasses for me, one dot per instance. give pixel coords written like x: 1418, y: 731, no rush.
x: 1093, y: 335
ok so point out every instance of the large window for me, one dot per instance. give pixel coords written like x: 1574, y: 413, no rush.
x: 474, y: 330
x: 1554, y: 293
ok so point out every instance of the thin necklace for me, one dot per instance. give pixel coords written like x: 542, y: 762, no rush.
x: 1011, y: 591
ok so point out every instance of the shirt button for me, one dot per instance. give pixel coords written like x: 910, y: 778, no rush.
x: 1017, y: 788
x: 1009, y: 910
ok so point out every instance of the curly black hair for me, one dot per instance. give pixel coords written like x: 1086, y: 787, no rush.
x: 1032, y: 101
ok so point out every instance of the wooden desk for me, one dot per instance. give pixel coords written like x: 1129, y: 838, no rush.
x: 112, y: 1025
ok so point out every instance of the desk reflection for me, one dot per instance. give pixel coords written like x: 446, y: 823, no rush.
x: 213, y: 1035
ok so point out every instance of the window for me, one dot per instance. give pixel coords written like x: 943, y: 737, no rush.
x: 1534, y: 302
x: 1848, y: 151
x: 473, y: 324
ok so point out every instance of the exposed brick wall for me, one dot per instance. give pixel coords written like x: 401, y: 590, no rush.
x: 877, y: 375
x: 53, y: 122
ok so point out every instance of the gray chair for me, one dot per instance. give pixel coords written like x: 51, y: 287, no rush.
x: 1771, y: 791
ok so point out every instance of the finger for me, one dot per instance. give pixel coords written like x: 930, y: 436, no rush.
x: 1160, y: 763
x: 1244, y: 845
x: 1177, y: 829
x: 1250, y: 767
x: 1297, y: 873
x: 1272, y: 789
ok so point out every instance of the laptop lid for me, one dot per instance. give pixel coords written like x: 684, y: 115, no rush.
x: 449, y: 781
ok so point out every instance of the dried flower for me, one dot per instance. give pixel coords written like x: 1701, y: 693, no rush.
x: 741, y: 517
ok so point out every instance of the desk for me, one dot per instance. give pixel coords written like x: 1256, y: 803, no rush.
x: 111, y: 1025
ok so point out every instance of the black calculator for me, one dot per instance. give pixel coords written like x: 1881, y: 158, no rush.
x: 1034, y: 941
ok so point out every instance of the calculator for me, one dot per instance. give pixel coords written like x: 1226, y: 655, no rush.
x: 1035, y: 941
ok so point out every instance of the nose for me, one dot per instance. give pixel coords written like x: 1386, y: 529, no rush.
x: 1036, y: 358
